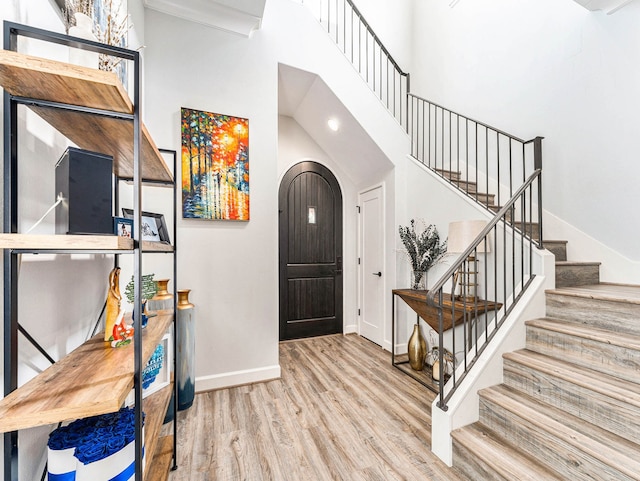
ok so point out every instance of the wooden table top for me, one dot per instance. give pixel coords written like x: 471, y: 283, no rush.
x: 454, y: 310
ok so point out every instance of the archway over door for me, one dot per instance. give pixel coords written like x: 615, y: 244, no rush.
x: 310, y: 252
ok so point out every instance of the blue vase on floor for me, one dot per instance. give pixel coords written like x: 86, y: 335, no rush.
x: 185, y: 357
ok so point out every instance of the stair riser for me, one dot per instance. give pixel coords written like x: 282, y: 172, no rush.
x: 529, y: 229
x: 611, y: 414
x: 471, y: 466
x: 544, y: 446
x: 610, y: 359
x: 448, y: 174
x: 496, y: 208
x: 486, y: 199
x: 577, y: 275
x: 615, y: 316
x: 470, y: 187
x: 558, y: 249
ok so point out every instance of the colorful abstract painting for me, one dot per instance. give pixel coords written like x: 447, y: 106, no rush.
x: 215, y: 166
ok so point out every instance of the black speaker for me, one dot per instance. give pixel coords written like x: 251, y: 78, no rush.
x: 84, y: 179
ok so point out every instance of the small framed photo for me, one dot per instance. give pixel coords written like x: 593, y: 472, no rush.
x: 154, y: 227
x: 123, y: 227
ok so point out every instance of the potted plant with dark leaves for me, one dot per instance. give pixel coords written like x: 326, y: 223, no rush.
x: 423, y: 249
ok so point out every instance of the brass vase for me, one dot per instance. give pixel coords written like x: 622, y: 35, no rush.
x: 163, y: 300
x: 185, y: 356
x: 417, y: 349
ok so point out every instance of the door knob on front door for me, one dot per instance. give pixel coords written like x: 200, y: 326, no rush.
x: 379, y: 274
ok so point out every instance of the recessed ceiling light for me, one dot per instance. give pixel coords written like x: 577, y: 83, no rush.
x: 333, y: 124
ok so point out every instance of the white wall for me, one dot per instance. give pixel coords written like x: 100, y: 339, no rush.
x: 231, y: 267
x: 550, y: 68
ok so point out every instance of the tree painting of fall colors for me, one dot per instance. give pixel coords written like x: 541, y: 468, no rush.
x: 215, y: 166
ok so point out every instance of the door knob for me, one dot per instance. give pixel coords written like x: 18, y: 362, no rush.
x: 379, y: 274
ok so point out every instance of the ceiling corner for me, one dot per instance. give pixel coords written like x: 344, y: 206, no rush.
x: 236, y: 16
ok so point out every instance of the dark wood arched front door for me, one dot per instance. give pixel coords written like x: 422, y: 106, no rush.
x: 310, y: 252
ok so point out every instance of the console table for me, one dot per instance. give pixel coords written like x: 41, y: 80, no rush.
x: 456, y: 312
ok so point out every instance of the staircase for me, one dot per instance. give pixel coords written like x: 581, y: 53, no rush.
x: 570, y: 402
x: 568, y: 273
x: 569, y: 406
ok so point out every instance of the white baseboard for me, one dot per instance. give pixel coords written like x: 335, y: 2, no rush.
x: 237, y: 378
x: 350, y: 329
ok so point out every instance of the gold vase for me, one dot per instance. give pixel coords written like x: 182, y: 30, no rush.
x: 163, y: 300
x: 163, y: 290
x: 183, y: 299
x: 417, y: 349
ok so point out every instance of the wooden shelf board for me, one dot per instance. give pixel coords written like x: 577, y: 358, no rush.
x: 155, y: 407
x: 109, y: 136
x: 159, y: 469
x: 28, y: 76
x: 65, y: 242
x: 76, y: 242
x: 93, y: 379
x: 42, y: 79
x: 150, y: 246
x: 423, y: 377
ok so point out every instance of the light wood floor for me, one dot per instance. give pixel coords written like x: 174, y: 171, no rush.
x: 340, y: 412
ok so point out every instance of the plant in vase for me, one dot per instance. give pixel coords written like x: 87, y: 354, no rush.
x: 423, y: 249
x: 72, y: 7
x: 112, y: 27
x: 149, y: 288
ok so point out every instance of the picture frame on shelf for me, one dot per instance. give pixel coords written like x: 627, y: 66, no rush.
x: 123, y: 227
x: 162, y: 375
x: 154, y: 227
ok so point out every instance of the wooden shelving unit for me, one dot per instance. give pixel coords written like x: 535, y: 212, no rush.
x: 93, y: 110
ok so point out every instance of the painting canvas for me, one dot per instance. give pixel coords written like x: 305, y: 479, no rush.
x: 215, y: 166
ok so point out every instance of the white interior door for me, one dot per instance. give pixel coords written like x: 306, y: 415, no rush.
x: 371, y: 258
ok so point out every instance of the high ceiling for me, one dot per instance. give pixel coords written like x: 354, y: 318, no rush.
x: 608, y: 6
x: 237, y: 16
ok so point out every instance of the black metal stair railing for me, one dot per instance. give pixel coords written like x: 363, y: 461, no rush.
x: 482, y: 161
x: 359, y: 43
x: 501, y: 261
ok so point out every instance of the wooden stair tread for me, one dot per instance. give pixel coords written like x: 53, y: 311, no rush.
x: 584, y: 331
x: 610, y: 449
x: 603, y: 291
x: 626, y: 391
x: 576, y: 263
x: 501, y: 457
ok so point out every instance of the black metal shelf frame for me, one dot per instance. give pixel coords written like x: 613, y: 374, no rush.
x: 10, y: 225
